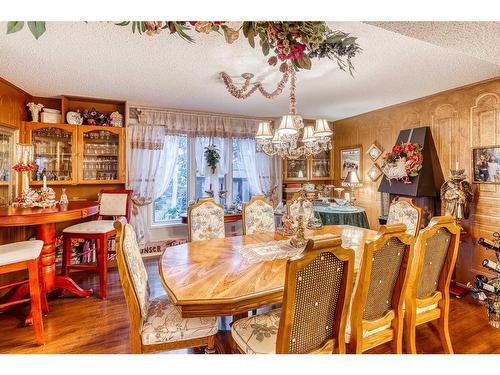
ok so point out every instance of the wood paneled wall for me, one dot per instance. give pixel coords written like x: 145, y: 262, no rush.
x: 13, y: 102
x: 460, y: 119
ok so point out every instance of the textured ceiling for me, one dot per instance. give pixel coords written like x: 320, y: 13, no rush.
x: 477, y: 39
x: 102, y: 60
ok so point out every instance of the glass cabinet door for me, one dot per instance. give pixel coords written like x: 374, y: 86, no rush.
x: 54, y: 153
x: 321, y: 165
x: 8, y: 140
x: 100, y: 150
x: 296, y: 169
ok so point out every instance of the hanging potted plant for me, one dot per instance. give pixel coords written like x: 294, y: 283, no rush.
x: 212, y: 156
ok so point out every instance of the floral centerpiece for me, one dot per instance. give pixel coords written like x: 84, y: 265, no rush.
x: 212, y: 156
x: 403, y: 162
x: 25, y: 167
x: 94, y: 117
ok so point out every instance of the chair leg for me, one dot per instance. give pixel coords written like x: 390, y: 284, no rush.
x: 210, y: 349
x: 102, y: 255
x: 409, y: 331
x: 397, y: 341
x: 442, y: 326
x: 36, y: 300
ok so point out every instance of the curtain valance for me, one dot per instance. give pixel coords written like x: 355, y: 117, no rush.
x: 199, y: 125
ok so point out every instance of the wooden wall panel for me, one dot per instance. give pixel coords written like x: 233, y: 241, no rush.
x: 13, y: 102
x: 459, y: 119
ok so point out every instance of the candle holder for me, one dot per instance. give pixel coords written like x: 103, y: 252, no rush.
x: 299, y: 239
x: 23, y: 167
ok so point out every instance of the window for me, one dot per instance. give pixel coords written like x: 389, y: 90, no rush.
x: 173, y: 201
x: 191, y: 176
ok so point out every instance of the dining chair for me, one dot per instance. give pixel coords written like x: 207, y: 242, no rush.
x: 293, y: 210
x: 155, y: 323
x: 377, y: 306
x: 25, y: 255
x: 404, y: 210
x: 258, y: 215
x: 427, y: 298
x: 318, y: 286
x: 112, y: 204
x: 205, y: 220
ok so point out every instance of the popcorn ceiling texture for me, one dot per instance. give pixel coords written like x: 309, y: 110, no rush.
x: 100, y: 59
x: 476, y: 39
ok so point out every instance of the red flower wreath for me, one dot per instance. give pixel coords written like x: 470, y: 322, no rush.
x: 410, y: 154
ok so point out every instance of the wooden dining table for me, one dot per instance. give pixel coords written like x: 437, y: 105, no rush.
x: 211, y: 278
x: 44, y: 220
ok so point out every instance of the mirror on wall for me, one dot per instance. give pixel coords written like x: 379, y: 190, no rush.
x: 9, y: 137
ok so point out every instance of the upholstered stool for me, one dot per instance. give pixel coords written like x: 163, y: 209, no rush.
x: 26, y: 256
x: 112, y: 203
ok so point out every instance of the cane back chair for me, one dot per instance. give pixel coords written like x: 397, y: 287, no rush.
x: 155, y: 323
x: 258, y: 215
x: 377, y: 308
x: 404, y: 210
x: 205, y: 220
x: 427, y: 298
x: 318, y: 286
x: 112, y: 203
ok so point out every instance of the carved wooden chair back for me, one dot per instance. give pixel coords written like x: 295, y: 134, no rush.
x: 318, y: 287
x: 377, y: 309
x: 134, y: 279
x: 404, y: 210
x: 258, y: 215
x: 115, y: 203
x: 205, y: 220
x: 293, y: 209
x: 427, y: 297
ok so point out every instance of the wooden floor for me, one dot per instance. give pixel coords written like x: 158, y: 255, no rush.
x: 77, y: 325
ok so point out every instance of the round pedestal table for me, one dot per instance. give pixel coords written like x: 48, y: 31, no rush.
x: 342, y: 215
x: 44, y: 220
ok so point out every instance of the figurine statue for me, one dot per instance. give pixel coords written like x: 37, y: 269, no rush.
x: 456, y: 192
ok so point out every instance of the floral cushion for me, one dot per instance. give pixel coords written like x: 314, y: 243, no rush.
x: 257, y: 334
x: 308, y: 211
x: 113, y: 204
x: 207, y: 222
x: 402, y: 212
x: 164, y: 323
x: 136, y: 268
x: 259, y: 217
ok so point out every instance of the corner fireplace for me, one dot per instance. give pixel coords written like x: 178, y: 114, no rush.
x: 424, y: 188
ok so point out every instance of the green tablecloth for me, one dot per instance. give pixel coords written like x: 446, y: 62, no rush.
x: 342, y: 215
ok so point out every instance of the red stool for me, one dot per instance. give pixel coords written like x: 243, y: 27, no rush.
x: 20, y: 256
x: 112, y: 203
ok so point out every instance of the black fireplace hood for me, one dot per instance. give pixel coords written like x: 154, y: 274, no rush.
x: 429, y: 180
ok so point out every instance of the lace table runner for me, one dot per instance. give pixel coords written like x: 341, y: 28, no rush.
x: 271, y: 250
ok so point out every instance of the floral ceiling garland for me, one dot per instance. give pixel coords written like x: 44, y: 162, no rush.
x: 403, y: 161
x: 294, y: 41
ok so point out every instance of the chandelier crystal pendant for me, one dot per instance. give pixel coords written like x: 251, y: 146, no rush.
x: 286, y: 139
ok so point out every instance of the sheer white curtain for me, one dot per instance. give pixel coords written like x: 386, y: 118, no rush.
x: 262, y: 171
x: 204, y: 170
x: 151, y: 160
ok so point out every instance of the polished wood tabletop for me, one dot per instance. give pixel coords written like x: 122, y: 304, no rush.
x: 210, y: 278
x: 11, y: 216
x: 228, y: 218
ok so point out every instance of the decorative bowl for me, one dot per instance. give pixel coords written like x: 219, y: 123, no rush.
x: 341, y: 202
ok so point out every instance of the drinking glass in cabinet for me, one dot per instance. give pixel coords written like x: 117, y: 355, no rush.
x: 100, y: 155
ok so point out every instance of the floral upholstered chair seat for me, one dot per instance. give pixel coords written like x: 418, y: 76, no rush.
x: 257, y: 334
x: 259, y: 217
x: 164, y: 323
x: 207, y: 222
x: 403, y: 212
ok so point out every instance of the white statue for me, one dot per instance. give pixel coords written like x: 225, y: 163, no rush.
x: 35, y: 111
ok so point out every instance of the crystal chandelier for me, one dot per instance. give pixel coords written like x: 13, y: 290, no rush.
x: 292, y: 140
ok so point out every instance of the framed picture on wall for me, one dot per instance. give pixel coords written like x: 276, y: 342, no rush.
x: 374, y: 152
x: 486, y: 165
x: 351, y: 159
x: 374, y: 172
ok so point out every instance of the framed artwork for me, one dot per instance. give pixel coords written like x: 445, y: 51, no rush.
x: 486, y: 165
x: 351, y: 159
x: 374, y: 152
x: 374, y: 172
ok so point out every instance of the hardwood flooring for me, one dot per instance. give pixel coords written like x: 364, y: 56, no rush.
x: 90, y: 325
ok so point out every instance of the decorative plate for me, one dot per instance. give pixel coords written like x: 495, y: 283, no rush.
x: 374, y: 172
x: 74, y: 118
x: 374, y: 152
